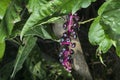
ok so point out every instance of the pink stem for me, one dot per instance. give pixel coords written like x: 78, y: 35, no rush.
x: 63, y: 43
x: 70, y: 23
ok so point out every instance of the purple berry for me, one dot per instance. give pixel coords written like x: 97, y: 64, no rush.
x: 75, y: 36
x: 70, y: 59
x: 73, y: 33
x: 73, y: 45
x: 72, y: 51
x: 75, y: 25
x: 76, y: 17
x: 63, y: 49
x: 68, y: 40
x: 65, y: 26
x: 60, y: 54
x: 61, y: 60
x: 62, y: 40
x: 65, y: 34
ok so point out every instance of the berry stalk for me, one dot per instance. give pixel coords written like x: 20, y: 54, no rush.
x: 66, y: 41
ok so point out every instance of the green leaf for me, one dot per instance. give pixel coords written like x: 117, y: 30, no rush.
x: 11, y: 17
x: 110, y: 18
x: 42, y: 31
x: 102, y: 8
x: 96, y: 33
x: 33, y: 5
x: 2, y: 49
x: 50, y: 9
x: 105, y: 45
x: 81, y: 4
x: 97, y: 36
x: 51, y: 20
x: 4, y: 4
x: 111, y: 22
x: 23, y: 53
x: 41, y: 13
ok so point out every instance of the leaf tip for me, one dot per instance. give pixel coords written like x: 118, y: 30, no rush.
x: 21, y: 37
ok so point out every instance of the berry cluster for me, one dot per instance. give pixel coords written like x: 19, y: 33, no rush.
x: 65, y: 54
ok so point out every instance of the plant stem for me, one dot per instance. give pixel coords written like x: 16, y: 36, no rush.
x: 84, y: 22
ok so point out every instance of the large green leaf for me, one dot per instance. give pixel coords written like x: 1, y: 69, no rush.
x: 50, y: 9
x: 97, y: 36
x: 111, y: 22
x: 42, y: 31
x: 4, y: 4
x: 110, y: 18
x: 81, y: 4
x: 41, y: 13
x: 2, y: 49
x: 33, y: 5
x: 102, y: 8
x: 23, y: 53
x: 11, y: 17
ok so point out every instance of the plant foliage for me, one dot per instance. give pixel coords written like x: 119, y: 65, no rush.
x: 106, y: 27
x: 22, y: 20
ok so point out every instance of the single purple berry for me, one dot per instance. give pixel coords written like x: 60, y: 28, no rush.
x: 65, y: 26
x: 72, y: 51
x: 65, y: 34
x: 62, y: 40
x: 75, y: 36
x: 76, y: 17
x: 63, y: 49
x: 73, y: 33
x: 75, y: 24
x: 68, y: 40
x: 60, y: 54
x: 61, y: 60
x: 71, y: 60
x: 73, y: 45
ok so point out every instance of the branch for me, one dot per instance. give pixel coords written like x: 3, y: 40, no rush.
x: 84, y: 22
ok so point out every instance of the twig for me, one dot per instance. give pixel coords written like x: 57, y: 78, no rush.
x: 98, y: 62
x: 89, y: 20
x: 14, y: 41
